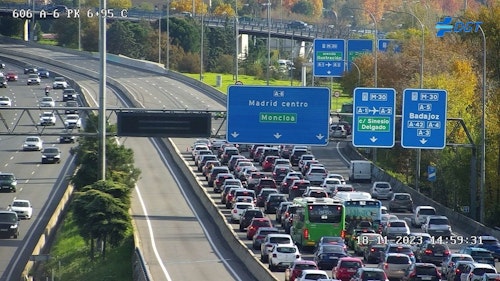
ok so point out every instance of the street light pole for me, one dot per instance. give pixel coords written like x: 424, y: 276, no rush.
x: 422, y: 47
x: 168, y: 35
x: 268, y: 40
x: 483, y: 133
x: 201, y: 53
x: 236, y: 35
x: 79, y: 28
x: 159, y: 38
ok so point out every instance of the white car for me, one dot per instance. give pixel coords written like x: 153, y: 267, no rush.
x: 5, y: 101
x: 47, y: 102
x: 59, y: 83
x: 337, y: 176
x: 238, y: 209
x: 381, y: 190
x: 33, y: 79
x: 270, y: 241
x: 23, y: 208
x: 282, y: 256
x: 47, y: 118
x: 73, y: 121
x: 33, y: 143
x: 312, y: 274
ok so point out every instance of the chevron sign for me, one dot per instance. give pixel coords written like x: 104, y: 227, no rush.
x: 431, y: 173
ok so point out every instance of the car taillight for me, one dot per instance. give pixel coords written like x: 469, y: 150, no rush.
x: 372, y: 250
x: 457, y: 271
x: 251, y: 227
x: 295, y: 187
x: 342, y: 234
x: 287, y: 215
x: 386, y: 266
x: 306, y: 233
x: 413, y: 274
x: 428, y: 252
x: 446, y: 253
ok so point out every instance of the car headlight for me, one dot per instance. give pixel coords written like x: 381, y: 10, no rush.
x: 44, y: 156
x: 13, y: 226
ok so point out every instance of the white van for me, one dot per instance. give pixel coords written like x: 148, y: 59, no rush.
x: 360, y: 170
x: 420, y: 215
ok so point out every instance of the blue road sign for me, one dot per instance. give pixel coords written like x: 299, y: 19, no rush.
x: 424, y: 118
x: 373, y: 117
x: 328, y: 59
x: 356, y: 48
x: 431, y: 173
x: 385, y: 45
x: 278, y: 115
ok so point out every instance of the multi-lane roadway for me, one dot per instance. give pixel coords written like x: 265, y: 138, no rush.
x: 177, y: 238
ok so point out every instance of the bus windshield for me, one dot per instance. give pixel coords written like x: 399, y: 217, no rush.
x: 325, y: 213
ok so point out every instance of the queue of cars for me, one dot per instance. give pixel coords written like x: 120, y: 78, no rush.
x: 268, y: 192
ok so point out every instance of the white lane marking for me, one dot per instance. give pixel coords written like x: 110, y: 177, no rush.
x: 150, y: 229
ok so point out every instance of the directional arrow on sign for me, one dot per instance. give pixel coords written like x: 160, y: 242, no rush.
x: 320, y: 136
x: 277, y: 135
x: 423, y: 141
x: 235, y: 135
x: 373, y: 139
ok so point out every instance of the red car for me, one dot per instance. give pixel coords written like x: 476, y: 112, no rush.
x: 255, y: 224
x: 267, y: 165
x: 11, y: 76
x: 346, y: 268
x: 298, y: 266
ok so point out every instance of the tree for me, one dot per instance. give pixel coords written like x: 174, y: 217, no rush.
x: 10, y: 26
x: 101, y: 216
x: 120, y: 39
x: 186, y: 34
x: 303, y: 7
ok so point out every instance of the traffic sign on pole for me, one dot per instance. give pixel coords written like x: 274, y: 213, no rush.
x: 373, y: 117
x: 424, y: 118
x: 356, y: 48
x: 385, y: 45
x: 329, y: 57
x: 278, y: 115
x: 431, y: 173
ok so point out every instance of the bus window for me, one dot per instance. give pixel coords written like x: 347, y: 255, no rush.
x: 325, y: 214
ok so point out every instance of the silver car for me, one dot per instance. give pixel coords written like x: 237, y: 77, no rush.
x: 381, y: 190
x: 395, y: 265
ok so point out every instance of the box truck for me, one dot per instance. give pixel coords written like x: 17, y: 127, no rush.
x: 360, y: 170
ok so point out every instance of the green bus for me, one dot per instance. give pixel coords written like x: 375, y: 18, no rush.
x: 315, y: 218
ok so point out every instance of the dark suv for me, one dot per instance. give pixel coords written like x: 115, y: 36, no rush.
x: 433, y: 253
x: 69, y: 94
x: 247, y: 216
x: 8, y: 182
x: 9, y: 224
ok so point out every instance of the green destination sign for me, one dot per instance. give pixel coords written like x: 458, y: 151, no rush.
x: 374, y: 124
x: 266, y: 117
x: 329, y: 56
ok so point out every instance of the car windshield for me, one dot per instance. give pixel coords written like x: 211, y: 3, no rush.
x: 333, y: 249
x: 279, y: 240
x: 480, y: 254
x: 350, y: 264
x: 262, y: 223
x: 20, y: 204
x: 427, y: 212
x: 382, y: 185
x: 266, y: 232
x: 303, y: 266
x: 319, y: 213
x: 4, y: 98
x: 6, y: 177
x: 8, y: 217
x: 314, y: 276
x: 490, y: 241
x: 482, y: 271
x: 425, y: 270
x: 402, y: 197
x: 59, y: 79
x: 398, y: 260
x: 370, y: 275
x: 439, y: 221
x: 31, y: 140
x: 286, y: 250
x: 398, y: 224
x: 51, y: 150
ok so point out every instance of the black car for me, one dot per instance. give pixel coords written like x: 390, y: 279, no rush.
x: 281, y: 208
x: 69, y: 94
x: 297, y: 24
x: 273, y: 201
x: 372, y: 253
x: 327, y: 256
x: 66, y: 136
x: 3, y: 82
x: 8, y: 182
x: 247, y: 216
x: 71, y: 107
x: 43, y: 73
x: 30, y: 69
x: 261, y: 198
x: 433, y: 253
x: 51, y: 155
x: 9, y: 224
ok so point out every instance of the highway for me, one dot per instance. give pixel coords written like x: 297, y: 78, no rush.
x: 175, y: 237
x: 164, y: 219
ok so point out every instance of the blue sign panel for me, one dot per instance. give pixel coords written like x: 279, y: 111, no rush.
x: 278, y: 115
x: 431, y: 173
x: 356, y: 48
x: 392, y: 45
x: 373, y: 117
x: 424, y: 118
x: 328, y: 60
